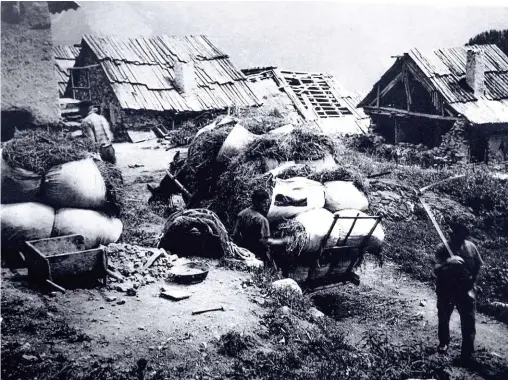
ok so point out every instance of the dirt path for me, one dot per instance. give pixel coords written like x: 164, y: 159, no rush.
x: 421, y: 301
x: 149, y: 322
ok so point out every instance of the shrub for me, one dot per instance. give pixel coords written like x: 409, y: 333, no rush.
x: 412, y: 245
x: 485, y: 194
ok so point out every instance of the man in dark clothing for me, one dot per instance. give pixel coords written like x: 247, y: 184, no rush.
x: 97, y: 129
x: 455, y: 287
x: 252, y: 230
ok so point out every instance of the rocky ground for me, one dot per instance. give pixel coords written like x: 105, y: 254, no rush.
x: 126, y: 330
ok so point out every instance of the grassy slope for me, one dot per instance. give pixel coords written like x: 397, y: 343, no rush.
x: 411, y: 243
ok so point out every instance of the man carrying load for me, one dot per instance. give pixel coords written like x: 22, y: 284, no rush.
x: 252, y: 230
x: 96, y: 128
x: 455, y: 287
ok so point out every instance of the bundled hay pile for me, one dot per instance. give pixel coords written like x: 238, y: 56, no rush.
x: 199, y: 232
x: 43, y: 170
x: 249, y: 170
x: 301, y: 144
x: 202, y: 168
x: 38, y: 150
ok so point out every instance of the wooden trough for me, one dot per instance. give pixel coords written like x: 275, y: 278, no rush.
x: 49, y: 260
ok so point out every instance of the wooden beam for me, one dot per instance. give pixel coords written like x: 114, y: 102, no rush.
x: 406, y: 86
x: 377, y: 98
x: 399, y: 112
x: 390, y: 86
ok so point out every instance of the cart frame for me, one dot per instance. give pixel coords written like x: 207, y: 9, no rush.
x: 337, y: 254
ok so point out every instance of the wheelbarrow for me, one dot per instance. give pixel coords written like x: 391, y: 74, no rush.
x: 49, y: 260
x: 334, y: 266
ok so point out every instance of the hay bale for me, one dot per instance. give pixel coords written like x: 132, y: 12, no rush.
x: 337, y: 173
x: 19, y: 185
x: 116, y: 202
x: 25, y: 221
x: 38, y: 150
x: 342, y: 195
x: 302, y: 144
x: 294, y: 196
x: 235, y: 187
x: 96, y: 227
x: 77, y: 184
x: 307, y: 231
x: 227, y: 188
x: 202, y: 168
x: 237, y: 141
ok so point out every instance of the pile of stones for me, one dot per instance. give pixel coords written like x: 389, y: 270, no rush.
x: 137, y: 266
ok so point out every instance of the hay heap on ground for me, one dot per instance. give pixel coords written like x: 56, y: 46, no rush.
x: 53, y: 185
x: 199, y: 232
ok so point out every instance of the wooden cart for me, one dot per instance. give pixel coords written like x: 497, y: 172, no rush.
x: 49, y: 260
x: 335, y: 265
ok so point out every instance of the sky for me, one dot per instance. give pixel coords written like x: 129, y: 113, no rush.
x: 354, y: 42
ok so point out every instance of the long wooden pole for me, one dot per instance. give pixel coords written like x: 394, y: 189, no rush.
x: 177, y: 183
x: 436, y: 226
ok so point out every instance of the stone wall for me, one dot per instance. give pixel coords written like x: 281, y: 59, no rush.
x: 498, y: 148
x: 29, y: 87
x: 140, y: 120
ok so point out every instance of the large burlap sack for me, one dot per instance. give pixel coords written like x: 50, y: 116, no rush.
x: 208, y: 128
x: 76, y: 184
x: 236, y: 142
x: 19, y: 185
x: 275, y: 172
x: 327, y: 162
x: 284, y: 130
x: 317, y: 223
x: 343, y: 195
x: 95, y: 227
x: 294, y: 196
x: 26, y: 221
x: 360, y: 230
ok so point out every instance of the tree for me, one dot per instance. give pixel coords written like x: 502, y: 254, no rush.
x: 498, y: 37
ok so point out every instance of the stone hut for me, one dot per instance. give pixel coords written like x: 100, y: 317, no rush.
x: 145, y: 82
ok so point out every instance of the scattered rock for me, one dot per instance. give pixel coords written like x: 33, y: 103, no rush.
x: 30, y: 358
x: 202, y: 346
x: 423, y: 303
x: 131, y: 292
x: 285, y: 310
x: 315, y: 313
x: 25, y: 347
x: 124, y: 287
x: 130, y: 260
x: 120, y: 302
x: 254, y: 263
x: 111, y: 299
x: 53, y: 294
x: 286, y: 284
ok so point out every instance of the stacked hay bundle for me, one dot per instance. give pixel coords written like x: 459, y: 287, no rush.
x: 296, y: 166
x: 52, y: 186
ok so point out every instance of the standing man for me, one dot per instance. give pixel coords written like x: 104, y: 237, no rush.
x: 455, y: 287
x: 96, y: 128
x: 252, y: 230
